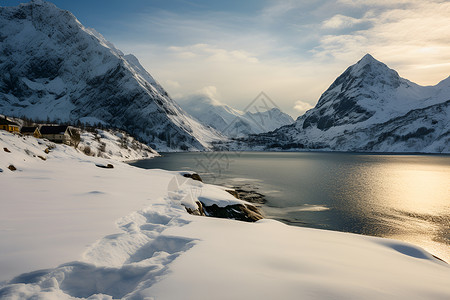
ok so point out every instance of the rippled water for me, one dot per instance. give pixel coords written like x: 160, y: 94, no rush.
x: 406, y: 197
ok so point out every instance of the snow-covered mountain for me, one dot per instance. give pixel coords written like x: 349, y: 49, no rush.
x: 370, y: 108
x: 232, y: 122
x: 52, y: 67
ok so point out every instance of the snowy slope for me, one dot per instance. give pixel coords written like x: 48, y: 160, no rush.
x: 53, y: 67
x: 232, y: 122
x: 370, y: 108
x: 95, y: 233
x: 56, y: 204
x: 113, y: 144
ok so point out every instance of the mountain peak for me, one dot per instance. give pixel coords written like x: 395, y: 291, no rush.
x: 364, y: 77
x: 368, y: 58
x: 58, y: 69
x: 39, y: 3
x: 372, y: 70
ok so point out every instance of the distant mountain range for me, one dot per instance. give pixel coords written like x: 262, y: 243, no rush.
x: 232, y: 122
x: 368, y: 108
x: 52, y: 67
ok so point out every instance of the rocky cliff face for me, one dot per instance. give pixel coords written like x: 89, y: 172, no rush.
x: 52, y: 67
x: 369, y: 108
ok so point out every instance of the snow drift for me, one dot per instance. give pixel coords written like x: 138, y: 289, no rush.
x: 71, y: 230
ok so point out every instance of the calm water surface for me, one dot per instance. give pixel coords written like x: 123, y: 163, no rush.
x: 406, y: 197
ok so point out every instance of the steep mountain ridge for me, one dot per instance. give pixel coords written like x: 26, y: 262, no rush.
x: 368, y: 92
x: 369, y: 107
x: 53, y: 67
x: 230, y: 121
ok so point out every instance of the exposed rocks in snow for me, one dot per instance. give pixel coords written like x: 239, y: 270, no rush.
x: 199, y: 211
x: 229, y: 207
x: 107, y: 166
x: 12, y: 168
x: 248, y: 195
x: 52, y: 67
x: 241, y: 212
x: 86, y: 242
x: 194, y: 176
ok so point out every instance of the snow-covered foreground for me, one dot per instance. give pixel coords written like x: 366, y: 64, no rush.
x: 122, y: 232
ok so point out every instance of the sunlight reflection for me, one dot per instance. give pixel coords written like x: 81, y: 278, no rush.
x: 411, y: 202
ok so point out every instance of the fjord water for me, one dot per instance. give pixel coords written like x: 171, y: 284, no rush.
x: 405, y: 197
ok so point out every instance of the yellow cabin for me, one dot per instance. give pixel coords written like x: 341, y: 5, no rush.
x: 31, y: 130
x: 9, y: 126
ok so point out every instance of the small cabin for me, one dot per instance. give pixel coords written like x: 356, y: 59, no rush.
x: 31, y: 130
x: 9, y: 126
x: 60, y: 134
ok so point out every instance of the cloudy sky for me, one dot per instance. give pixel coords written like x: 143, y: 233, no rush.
x: 291, y: 50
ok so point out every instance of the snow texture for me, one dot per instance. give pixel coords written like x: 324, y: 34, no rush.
x: 71, y: 230
x: 113, y: 144
x: 52, y: 67
x: 370, y: 108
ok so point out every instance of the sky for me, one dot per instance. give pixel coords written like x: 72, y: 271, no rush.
x: 291, y: 50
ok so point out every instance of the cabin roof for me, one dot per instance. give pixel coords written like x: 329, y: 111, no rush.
x: 28, y: 129
x: 4, y: 121
x: 61, y: 129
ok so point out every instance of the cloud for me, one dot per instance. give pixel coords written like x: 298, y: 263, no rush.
x: 210, y: 91
x: 288, y: 49
x: 379, y: 3
x: 340, y: 21
x: 206, y: 51
x: 409, y: 39
x: 302, y: 107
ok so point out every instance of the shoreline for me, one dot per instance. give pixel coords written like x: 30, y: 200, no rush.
x: 122, y: 232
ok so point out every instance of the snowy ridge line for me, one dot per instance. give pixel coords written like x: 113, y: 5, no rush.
x: 58, y: 69
x: 232, y: 122
x: 368, y: 108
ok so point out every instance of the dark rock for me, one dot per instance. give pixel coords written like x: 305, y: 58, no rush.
x: 196, y: 212
x: 241, y: 212
x: 250, y: 196
x: 6, y: 150
x: 108, y: 166
x: 12, y: 168
x: 234, y: 193
x: 47, y: 150
x: 194, y: 176
x: 41, y: 157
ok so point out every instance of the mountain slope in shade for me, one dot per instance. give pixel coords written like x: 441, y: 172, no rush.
x: 232, y: 122
x: 52, y: 67
x: 370, y: 108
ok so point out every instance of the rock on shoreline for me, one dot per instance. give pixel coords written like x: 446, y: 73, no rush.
x: 242, y: 212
